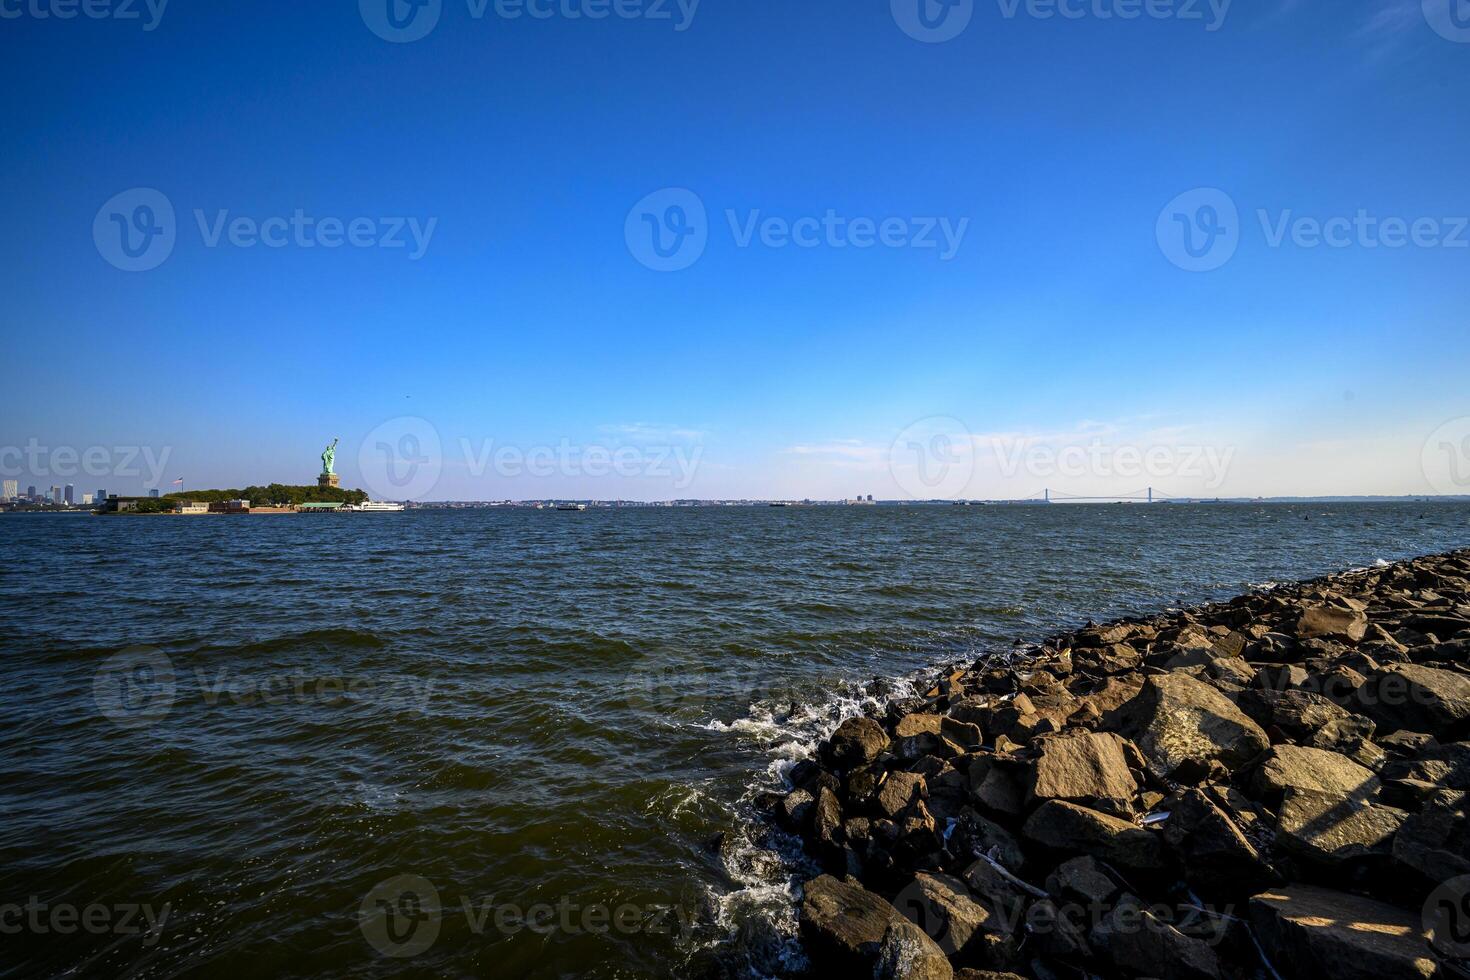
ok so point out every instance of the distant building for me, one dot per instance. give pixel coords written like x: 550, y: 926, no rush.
x: 69, y: 494
x: 101, y: 496
x: 192, y: 507
x: 86, y: 499
x: 153, y: 493
x: 55, y: 495
x: 12, y: 490
x: 31, y: 491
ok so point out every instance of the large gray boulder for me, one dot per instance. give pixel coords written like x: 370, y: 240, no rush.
x: 1181, y: 724
x: 1318, y: 934
x: 857, y: 742
x: 844, y: 925
x: 1088, y: 768
x: 905, y: 953
x: 1419, y: 698
x: 1296, y: 767
x: 1334, y: 827
x: 1072, y: 829
x: 1331, y: 623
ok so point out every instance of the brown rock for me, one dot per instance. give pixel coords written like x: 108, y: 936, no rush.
x: 1319, y: 934
x: 844, y: 925
x: 1332, y: 623
x: 1419, y: 698
x: 1088, y: 768
x: 1068, y: 828
x: 1332, y: 827
x: 1294, y: 767
x: 1215, y: 855
x: 1178, y: 722
x: 857, y: 742
x: 905, y: 953
x: 898, y: 791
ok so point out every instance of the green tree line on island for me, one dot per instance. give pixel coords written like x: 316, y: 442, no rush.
x: 274, y: 495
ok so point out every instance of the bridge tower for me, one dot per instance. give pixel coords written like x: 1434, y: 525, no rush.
x: 1046, y: 495
x: 1150, y: 494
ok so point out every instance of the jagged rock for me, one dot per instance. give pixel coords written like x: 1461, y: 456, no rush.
x: 1295, y: 714
x: 1318, y: 934
x: 942, y: 907
x: 1328, y: 622
x: 994, y: 789
x: 898, y: 791
x: 1115, y: 659
x: 1215, y: 855
x: 857, y: 742
x: 961, y: 733
x: 1178, y: 722
x: 1005, y: 902
x: 1081, y: 879
x: 795, y: 810
x: 1068, y: 828
x: 977, y: 834
x: 1055, y: 931
x: 1088, y: 768
x: 1332, y: 827
x: 844, y: 925
x: 1419, y: 698
x: 1295, y: 767
x: 917, y: 723
x: 905, y: 953
x: 1142, y: 945
x: 1436, y: 840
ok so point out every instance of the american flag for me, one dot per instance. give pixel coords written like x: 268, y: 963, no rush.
x: 178, y: 483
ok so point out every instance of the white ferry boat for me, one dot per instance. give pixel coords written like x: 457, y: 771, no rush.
x: 374, y: 507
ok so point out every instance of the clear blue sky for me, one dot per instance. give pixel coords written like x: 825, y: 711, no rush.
x: 530, y: 321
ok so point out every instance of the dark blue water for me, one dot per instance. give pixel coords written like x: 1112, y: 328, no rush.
x: 247, y: 731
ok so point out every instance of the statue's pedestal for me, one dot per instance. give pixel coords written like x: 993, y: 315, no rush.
x: 327, y: 480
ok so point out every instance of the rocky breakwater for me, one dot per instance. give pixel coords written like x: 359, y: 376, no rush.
x: 1271, y: 786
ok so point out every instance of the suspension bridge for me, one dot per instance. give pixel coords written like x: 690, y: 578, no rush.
x: 1144, y: 495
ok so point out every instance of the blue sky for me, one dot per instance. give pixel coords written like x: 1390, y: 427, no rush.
x: 1058, y: 319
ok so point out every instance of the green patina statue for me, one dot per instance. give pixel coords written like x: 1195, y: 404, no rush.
x: 329, y: 456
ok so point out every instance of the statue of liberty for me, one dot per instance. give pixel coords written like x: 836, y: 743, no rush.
x: 329, y: 456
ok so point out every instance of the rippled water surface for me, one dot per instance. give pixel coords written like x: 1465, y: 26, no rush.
x: 253, y: 727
